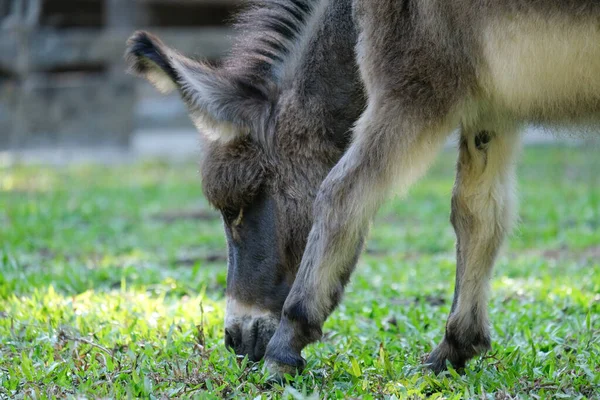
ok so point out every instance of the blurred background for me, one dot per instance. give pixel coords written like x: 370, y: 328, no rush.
x: 64, y: 92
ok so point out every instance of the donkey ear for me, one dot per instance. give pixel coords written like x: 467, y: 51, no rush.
x: 221, y: 105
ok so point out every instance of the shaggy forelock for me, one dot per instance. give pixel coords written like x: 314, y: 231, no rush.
x: 232, y: 173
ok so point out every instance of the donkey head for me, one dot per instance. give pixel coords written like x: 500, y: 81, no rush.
x: 267, y: 146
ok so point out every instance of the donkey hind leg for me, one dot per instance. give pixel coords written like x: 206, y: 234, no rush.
x: 482, y: 214
x: 387, y: 149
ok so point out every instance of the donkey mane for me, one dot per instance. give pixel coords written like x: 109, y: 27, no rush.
x: 268, y: 31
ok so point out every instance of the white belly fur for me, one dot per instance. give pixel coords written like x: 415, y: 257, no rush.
x: 540, y: 67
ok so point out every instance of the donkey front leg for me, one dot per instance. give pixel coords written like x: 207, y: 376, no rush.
x: 482, y: 214
x: 386, y: 147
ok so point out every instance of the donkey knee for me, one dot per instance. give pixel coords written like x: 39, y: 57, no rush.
x: 482, y: 199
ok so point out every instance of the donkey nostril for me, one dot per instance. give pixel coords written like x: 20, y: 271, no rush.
x: 229, y: 342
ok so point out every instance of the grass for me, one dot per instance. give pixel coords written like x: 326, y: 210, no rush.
x: 112, y: 283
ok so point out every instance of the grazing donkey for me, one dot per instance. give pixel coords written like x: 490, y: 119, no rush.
x: 428, y: 67
x: 274, y: 118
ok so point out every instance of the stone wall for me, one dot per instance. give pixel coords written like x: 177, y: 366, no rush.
x: 62, y: 79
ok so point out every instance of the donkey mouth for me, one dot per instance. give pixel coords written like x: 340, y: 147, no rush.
x: 251, y: 336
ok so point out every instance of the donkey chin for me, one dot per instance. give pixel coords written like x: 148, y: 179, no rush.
x: 248, y: 329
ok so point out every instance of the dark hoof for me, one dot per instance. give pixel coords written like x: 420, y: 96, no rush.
x: 440, y: 357
x: 455, y: 355
x: 281, y: 359
x: 277, y: 369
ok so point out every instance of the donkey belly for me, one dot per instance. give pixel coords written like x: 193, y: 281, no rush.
x: 542, y: 68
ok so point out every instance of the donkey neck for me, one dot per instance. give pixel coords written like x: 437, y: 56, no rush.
x: 319, y: 82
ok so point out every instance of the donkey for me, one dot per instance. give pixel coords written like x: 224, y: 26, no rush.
x: 428, y: 67
x: 274, y: 119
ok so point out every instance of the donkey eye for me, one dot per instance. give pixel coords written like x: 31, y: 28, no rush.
x: 233, y: 217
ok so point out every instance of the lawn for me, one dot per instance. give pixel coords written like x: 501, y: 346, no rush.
x: 112, y: 281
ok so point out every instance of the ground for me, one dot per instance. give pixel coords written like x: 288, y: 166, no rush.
x: 112, y: 281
